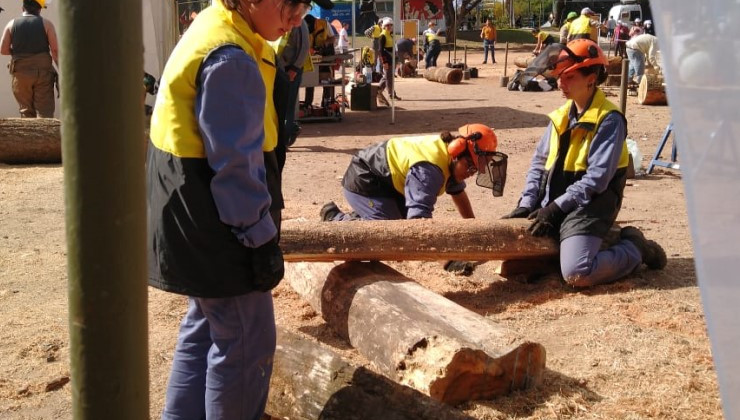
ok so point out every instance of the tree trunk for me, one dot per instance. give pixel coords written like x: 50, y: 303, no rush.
x: 312, y: 382
x: 446, y: 75
x: 558, y: 7
x: 415, y: 336
x: 421, y: 239
x: 30, y: 140
x: 524, y: 62
x: 450, y: 15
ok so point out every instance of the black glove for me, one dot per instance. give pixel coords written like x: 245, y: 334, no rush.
x: 518, y: 213
x: 268, y: 266
x: 547, y: 220
x: 461, y: 268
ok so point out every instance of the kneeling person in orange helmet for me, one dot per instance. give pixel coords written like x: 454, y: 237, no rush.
x: 401, y: 178
x: 575, y: 184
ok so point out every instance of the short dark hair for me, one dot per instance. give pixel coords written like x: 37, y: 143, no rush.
x: 32, y: 7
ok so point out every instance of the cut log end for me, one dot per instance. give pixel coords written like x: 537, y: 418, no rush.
x: 472, y: 374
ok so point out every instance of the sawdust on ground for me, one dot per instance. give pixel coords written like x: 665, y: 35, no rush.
x: 634, y: 349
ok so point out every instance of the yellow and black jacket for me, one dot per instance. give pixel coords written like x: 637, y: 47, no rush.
x: 381, y: 170
x: 191, y: 251
x: 567, y: 163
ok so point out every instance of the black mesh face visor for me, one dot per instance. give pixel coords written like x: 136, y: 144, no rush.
x: 492, y: 174
x: 551, y: 60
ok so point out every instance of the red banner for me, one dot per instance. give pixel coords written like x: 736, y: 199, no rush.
x: 422, y: 9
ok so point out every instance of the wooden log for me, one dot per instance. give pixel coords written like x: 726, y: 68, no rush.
x: 312, y: 382
x: 30, y: 140
x: 651, y: 90
x: 446, y: 75
x: 415, y: 336
x: 421, y: 239
x: 524, y: 62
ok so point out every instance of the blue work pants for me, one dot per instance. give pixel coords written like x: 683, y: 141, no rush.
x: 637, y: 64
x: 488, y: 45
x: 583, y: 264
x: 223, y: 359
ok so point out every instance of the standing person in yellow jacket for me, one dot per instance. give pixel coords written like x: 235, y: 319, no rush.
x: 575, y: 183
x: 565, y: 29
x: 31, y: 41
x: 387, y: 47
x: 584, y: 27
x: 212, y: 175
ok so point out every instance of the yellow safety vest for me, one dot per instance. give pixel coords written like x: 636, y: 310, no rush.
x: 431, y: 36
x: 404, y: 152
x: 581, y: 135
x: 580, y: 26
x: 377, y: 30
x: 388, y: 38
x: 174, y: 127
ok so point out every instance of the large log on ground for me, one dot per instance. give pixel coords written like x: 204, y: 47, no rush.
x: 651, y: 90
x: 312, y: 382
x: 443, y: 75
x: 415, y: 336
x: 30, y: 140
x: 421, y: 239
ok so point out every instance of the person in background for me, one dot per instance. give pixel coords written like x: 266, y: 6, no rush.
x: 405, y: 50
x: 637, y: 28
x: 31, y: 42
x: 610, y: 25
x: 488, y: 35
x: 622, y: 35
x: 386, y: 52
x: 584, y: 27
x: 373, y: 33
x: 432, y: 46
x: 292, y: 51
x: 641, y: 49
x: 343, y: 40
x: 544, y: 39
x: 321, y: 41
x: 575, y: 183
x: 564, y: 30
x: 212, y: 181
x: 649, y: 28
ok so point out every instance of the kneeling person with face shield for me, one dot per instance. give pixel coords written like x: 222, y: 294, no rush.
x: 575, y: 184
x: 401, y: 178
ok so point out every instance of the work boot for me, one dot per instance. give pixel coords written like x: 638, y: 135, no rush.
x: 382, y: 99
x: 653, y: 254
x: 329, y: 211
x: 396, y: 97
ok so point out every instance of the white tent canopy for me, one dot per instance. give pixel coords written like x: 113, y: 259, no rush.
x: 160, y: 36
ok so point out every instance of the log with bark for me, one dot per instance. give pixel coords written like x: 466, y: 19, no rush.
x: 615, y: 65
x: 30, y: 140
x: 651, y: 90
x: 419, y: 239
x: 310, y: 381
x: 415, y: 336
x: 447, y: 75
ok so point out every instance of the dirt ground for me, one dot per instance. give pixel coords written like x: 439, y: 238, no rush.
x: 631, y: 350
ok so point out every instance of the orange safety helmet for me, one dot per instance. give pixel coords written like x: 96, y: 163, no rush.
x: 485, y: 144
x: 577, y: 54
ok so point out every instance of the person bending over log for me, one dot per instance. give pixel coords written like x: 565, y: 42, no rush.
x: 401, y: 178
x: 575, y: 184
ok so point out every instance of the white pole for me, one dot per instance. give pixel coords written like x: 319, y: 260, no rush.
x: 354, y: 28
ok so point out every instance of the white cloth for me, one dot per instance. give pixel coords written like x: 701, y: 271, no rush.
x: 343, y: 43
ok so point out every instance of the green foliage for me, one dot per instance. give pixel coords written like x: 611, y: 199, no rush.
x: 517, y: 36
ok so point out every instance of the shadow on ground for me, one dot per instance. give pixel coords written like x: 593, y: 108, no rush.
x: 502, y: 293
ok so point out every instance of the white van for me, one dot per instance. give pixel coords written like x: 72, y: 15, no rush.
x: 626, y: 12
